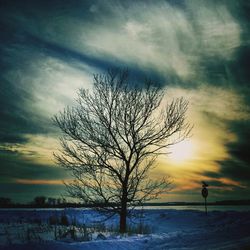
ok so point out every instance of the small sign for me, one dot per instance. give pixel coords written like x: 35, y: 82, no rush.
x: 204, y: 193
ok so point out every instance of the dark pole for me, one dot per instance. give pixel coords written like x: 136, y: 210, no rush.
x: 206, y: 205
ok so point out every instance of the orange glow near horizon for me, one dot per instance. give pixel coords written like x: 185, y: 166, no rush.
x: 39, y: 182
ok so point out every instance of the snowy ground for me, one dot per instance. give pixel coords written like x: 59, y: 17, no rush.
x: 163, y: 228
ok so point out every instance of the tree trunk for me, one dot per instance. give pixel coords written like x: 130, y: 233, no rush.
x: 123, y: 217
x: 123, y: 213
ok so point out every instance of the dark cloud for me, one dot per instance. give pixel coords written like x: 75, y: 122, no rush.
x: 236, y: 170
x: 240, y: 68
x: 16, y: 165
x: 212, y: 174
x: 240, y: 150
x: 238, y: 166
x: 16, y: 119
x: 229, y: 74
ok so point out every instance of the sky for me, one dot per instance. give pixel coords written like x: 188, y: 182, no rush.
x: 196, y: 49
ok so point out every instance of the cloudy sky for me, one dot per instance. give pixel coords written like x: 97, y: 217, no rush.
x: 194, y: 48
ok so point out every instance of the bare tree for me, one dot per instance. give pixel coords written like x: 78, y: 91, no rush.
x: 112, y: 138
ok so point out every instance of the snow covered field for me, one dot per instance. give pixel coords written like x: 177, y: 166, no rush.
x: 162, y: 228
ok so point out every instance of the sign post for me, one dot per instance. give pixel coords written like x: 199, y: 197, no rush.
x: 204, y: 193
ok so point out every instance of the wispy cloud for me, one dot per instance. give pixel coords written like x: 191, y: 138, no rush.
x: 169, y: 39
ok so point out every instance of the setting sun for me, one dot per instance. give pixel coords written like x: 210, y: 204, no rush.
x: 181, y: 151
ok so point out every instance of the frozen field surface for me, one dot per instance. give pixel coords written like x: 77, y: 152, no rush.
x: 163, y: 228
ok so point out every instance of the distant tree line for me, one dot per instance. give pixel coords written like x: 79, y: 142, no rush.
x: 42, y: 201
x: 49, y: 202
x: 5, y: 201
x: 38, y: 201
